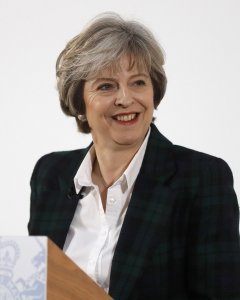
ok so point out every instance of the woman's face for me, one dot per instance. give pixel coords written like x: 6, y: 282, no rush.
x: 119, y: 106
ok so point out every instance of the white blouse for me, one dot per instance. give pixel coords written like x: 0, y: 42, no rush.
x: 93, y: 233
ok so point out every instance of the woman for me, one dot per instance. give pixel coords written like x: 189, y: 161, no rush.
x: 144, y: 218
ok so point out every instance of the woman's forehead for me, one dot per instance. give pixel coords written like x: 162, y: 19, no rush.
x: 126, y: 63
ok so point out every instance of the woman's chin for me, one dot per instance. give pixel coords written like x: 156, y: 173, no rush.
x: 127, y: 140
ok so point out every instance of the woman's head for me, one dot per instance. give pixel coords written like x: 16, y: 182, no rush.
x: 101, y: 46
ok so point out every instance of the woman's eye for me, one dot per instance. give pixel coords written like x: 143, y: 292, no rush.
x: 105, y: 87
x: 140, y: 83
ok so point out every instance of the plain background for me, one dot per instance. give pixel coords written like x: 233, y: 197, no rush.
x: 200, y: 110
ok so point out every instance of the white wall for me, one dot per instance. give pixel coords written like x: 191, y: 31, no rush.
x: 200, y: 110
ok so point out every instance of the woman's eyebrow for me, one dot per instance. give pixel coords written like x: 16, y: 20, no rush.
x: 140, y: 74
x: 101, y: 79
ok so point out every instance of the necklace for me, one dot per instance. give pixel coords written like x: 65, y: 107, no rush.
x: 104, y: 182
x: 98, y: 175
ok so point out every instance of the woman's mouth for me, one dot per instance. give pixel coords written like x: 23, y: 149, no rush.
x: 126, y: 118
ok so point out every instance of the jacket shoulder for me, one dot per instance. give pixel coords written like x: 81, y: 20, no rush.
x: 58, y: 156
x: 59, y: 162
x: 202, y: 163
x: 188, y: 164
x: 182, y: 153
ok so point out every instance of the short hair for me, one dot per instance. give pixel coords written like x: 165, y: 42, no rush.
x: 101, y: 45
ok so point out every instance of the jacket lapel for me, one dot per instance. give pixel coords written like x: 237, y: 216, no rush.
x: 148, y: 214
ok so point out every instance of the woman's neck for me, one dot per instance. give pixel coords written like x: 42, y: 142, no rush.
x: 110, y: 164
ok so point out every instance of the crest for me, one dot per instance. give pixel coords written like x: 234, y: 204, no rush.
x: 22, y: 268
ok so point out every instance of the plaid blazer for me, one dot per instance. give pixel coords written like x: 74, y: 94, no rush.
x: 180, y: 237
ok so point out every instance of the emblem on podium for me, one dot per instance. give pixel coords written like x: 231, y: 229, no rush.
x: 23, y: 268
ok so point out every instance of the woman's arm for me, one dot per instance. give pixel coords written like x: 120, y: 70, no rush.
x: 213, y: 256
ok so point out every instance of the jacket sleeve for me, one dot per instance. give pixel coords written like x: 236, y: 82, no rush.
x: 213, y: 258
x: 34, y: 202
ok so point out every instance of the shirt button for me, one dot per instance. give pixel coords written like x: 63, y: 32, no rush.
x: 112, y: 200
x: 91, y: 262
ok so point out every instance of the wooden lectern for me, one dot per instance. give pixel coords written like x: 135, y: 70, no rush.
x: 65, y: 280
x: 35, y: 268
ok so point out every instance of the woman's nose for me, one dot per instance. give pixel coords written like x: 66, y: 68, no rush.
x: 123, y: 97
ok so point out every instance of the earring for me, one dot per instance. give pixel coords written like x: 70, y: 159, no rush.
x: 82, y: 118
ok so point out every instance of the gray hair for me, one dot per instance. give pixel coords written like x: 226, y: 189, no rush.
x: 101, y: 45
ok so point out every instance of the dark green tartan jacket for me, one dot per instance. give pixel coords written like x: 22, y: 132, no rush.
x: 180, y: 237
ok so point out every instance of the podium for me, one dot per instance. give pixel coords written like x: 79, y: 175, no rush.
x: 35, y: 268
